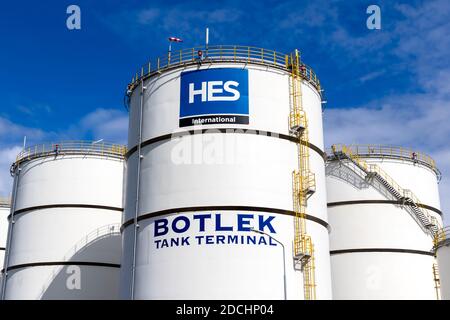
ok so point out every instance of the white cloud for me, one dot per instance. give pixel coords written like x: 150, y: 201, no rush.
x: 11, y: 132
x: 423, y: 127
x: 371, y: 76
x: 180, y: 20
x: 7, y: 157
x: 108, y: 124
x: 419, y: 121
x: 147, y: 16
x: 33, y: 109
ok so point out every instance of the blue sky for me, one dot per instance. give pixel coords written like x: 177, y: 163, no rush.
x: 388, y: 86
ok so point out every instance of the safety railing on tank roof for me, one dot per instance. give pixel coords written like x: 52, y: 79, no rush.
x: 442, y: 237
x: 222, y: 53
x: 392, y: 152
x: 5, y: 202
x: 71, y: 147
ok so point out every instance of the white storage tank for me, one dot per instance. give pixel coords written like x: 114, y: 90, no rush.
x: 384, y: 211
x: 4, y: 211
x: 64, y: 234
x: 211, y: 156
x: 443, y: 259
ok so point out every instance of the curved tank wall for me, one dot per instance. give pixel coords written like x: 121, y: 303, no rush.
x: 379, y: 250
x: 443, y: 259
x: 201, y: 189
x: 65, y: 241
x: 4, y: 211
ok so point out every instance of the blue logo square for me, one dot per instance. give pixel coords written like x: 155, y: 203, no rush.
x: 214, y: 96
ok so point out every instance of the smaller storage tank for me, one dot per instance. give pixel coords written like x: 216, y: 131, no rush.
x: 381, y: 233
x: 64, y: 238
x: 443, y: 259
x: 4, y: 211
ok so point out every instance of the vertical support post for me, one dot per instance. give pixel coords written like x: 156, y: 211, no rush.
x: 168, y: 54
x: 138, y: 186
x: 207, y: 41
x: 10, y: 232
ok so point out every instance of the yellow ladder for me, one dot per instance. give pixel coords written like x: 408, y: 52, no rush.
x: 437, y: 281
x: 303, y: 181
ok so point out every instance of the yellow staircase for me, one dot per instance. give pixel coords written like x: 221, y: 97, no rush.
x: 303, y: 180
x: 407, y: 197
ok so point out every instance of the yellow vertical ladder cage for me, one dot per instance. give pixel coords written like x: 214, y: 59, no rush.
x: 303, y: 180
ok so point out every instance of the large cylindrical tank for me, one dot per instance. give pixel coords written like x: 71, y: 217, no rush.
x: 64, y: 239
x: 211, y: 157
x: 381, y: 233
x: 4, y: 211
x: 443, y: 259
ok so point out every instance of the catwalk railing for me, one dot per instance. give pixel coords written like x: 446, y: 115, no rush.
x: 222, y: 53
x: 69, y: 148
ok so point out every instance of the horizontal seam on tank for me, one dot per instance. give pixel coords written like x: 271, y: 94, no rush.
x: 395, y: 202
x: 224, y: 130
x: 62, y: 263
x: 388, y: 250
x: 50, y: 206
x: 219, y: 208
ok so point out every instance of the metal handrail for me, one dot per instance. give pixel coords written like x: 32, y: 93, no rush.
x: 442, y: 237
x: 106, y: 230
x: 222, y: 53
x: 385, y: 151
x: 5, y: 202
x: 71, y: 147
x: 404, y: 193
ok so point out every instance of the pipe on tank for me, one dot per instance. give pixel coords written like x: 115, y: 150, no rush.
x: 10, y: 231
x: 138, y: 185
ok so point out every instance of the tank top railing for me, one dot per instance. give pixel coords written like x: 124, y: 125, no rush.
x: 392, y: 152
x: 222, y: 53
x: 5, y: 202
x: 71, y: 147
x: 442, y: 237
x: 428, y: 222
x: 95, y: 235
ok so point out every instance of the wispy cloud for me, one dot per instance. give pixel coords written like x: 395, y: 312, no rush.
x: 108, y: 124
x: 148, y: 16
x: 418, y: 120
x: 7, y: 156
x: 371, y: 76
x: 181, y: 20
x: 11, y: 133
x: 33, y: 109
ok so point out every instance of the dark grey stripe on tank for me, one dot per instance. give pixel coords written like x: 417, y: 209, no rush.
x: 221, y: 208
x: 227, y: 131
